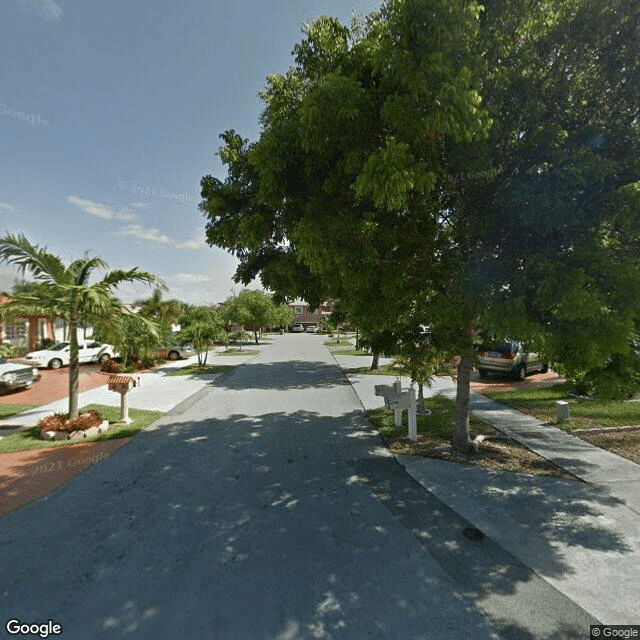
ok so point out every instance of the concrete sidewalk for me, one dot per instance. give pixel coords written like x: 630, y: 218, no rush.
x: 615, y: 476
x: 157, y: 392
x: 583, y: 538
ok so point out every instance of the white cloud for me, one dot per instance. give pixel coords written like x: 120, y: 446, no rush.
x: 191, y: 277
x: 6, y: 206
x: 140, y: 205
x: 192, y: 245
x: 101, y: 210
x: 47, y: 9
x: 151, y: 235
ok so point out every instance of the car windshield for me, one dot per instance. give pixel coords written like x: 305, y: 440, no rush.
x: 60, y: 346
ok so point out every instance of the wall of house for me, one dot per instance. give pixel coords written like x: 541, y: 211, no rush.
x: 307, y: 316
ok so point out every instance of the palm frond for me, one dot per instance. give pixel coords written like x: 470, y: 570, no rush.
x: 29, y: 258
x: 81, y: 269
x: 119, y: 276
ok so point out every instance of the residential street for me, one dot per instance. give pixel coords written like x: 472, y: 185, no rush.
x: 266, y: 509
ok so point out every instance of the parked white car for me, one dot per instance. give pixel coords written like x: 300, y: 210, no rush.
x: 58, y: 355
x: 14, y: 375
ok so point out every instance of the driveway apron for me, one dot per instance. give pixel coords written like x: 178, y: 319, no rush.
x: 265, y: 509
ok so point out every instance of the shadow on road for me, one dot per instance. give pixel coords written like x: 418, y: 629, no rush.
x: 294, y: 513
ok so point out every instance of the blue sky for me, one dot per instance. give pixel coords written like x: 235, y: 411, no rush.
x: 110, y: 113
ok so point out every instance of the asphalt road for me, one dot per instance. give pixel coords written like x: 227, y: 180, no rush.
x: 265, y: 508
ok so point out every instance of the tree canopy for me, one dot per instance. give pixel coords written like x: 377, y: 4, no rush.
x: 255, y: 310
x: 470, y: 168
x: 201, y: 326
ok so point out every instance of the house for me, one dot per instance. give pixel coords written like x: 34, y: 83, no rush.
x: 26, y: 331
x: 307, y: 316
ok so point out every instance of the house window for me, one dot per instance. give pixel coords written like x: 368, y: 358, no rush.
x: 299, y: 311
x: 16, y: 331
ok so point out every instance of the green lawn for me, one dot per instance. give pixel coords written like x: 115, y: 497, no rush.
x: 383, y: 370
x: 435, y: 433
x: 239, y: 352
x: 350, y: 352
x: 439, y: 425
x: 585, y: 414
x: 30, y: 438
x: 11, y: 409
x: 345, y: 342
x: 194, y: 369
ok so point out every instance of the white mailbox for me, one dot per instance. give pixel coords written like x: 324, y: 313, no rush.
x: 398, y: 400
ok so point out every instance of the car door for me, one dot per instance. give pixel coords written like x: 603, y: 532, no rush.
x: 83, y: 353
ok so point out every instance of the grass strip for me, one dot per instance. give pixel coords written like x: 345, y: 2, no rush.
x: 239, y: 352
x: 344, y: 342
x: 350, y: 352
x: 10, y: 409
x: 30, y: 438
x: 194, y: 369
x: 585, y: 413
x: 435, y: 433
x: 383, y: 370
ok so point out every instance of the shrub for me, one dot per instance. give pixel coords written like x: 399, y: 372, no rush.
x: 7, y: 350
x: 111, y: 366
x: 61, y: 422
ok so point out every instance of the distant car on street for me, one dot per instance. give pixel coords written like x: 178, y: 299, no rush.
x: 175, y: 352
x: 510, y: 358
x: 312, y: 328
x: 59, y: 355
x: 297, y: 328
x: 14, y: 376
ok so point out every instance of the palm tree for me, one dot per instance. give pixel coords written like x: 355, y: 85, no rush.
x: 166, y: 312
x: 63, y: 291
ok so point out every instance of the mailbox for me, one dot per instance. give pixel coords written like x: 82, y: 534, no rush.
x: 122, y: 384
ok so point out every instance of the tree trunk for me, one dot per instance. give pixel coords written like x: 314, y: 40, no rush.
x: 376, y: 359
x: 461, y: 439
x: 74, y: 367
x: 255, y: 334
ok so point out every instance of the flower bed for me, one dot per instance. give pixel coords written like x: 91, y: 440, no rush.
x: 59, y: 427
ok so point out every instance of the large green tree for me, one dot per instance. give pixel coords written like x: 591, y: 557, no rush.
x: 255, y: 310
x: 64, y: 291
x: 202, y: 326
x: 466, y: 169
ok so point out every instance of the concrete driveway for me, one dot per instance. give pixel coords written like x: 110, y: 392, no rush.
x: 266, y: 509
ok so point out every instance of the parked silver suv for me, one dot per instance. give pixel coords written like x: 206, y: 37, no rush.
x: 510, y: 358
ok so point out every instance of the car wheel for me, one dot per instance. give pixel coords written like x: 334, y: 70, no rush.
x: 521, y: 372
x: 483, y: 373
x: 103, y: 358
x: 56, y: 363
x: 173, y: 355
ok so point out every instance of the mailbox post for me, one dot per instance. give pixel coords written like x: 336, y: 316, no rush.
x: 122, y: 384
x: 398, y: 400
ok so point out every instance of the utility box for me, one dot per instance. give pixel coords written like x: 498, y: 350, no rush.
x: 563, y: 412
